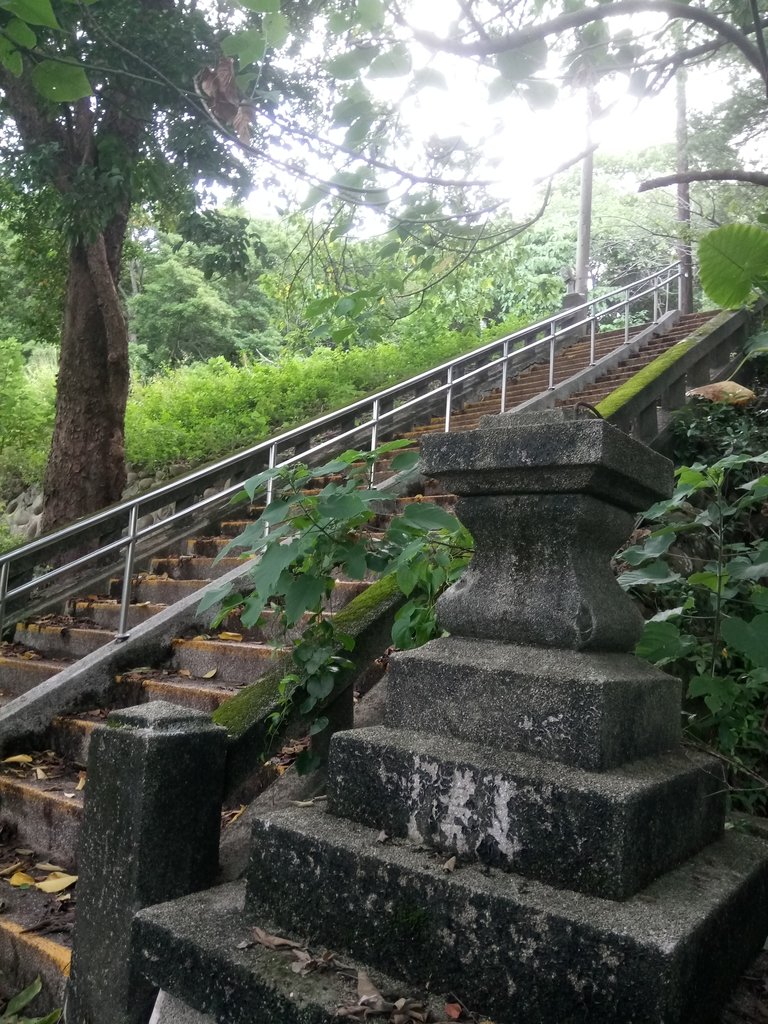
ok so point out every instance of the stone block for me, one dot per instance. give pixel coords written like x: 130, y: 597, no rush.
x: 514, y: 949
x: 607, y: 834
x: 150, y: 833
x: 592, y: 711
x: 552, y: 452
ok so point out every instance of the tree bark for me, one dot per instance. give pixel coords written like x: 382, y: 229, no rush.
x: 86, y: 469
x: 684, y: 253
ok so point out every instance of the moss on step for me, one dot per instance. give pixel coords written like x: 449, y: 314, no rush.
x: 611, y: 404
x: 367, y: 618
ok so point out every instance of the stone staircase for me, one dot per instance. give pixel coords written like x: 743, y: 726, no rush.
x: 41, y: 799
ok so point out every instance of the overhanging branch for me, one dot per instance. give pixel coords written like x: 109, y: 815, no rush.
x: 747, y: 177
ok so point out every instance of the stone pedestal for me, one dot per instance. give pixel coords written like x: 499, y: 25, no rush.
x: 592, y: 879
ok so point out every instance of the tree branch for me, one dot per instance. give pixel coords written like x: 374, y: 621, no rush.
x: 577, y: 19
x: 748, y: 177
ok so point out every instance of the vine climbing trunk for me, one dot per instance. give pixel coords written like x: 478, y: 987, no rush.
x: 86, y: 469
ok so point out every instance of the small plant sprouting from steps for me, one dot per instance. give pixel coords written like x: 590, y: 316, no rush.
x: 307, y: 537
x: 12, y: 1014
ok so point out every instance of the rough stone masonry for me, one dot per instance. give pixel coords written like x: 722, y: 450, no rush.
x: 594, y: 880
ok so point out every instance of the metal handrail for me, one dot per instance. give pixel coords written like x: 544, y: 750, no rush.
x: 514, y: 348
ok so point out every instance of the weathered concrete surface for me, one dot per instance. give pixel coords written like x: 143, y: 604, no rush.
x: 191, y: 947
x: 549, y: 452
x: 593, y: 711
x: 608, y: 834
x: 169, y: 1010
x: 514, y: 948
x: 150, y: 833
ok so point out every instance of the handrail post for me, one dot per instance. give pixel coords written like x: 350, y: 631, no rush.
x: 130, y: 552
x: 374, y: 436
x: 656, y: 304
x: 449, y: 400
x: 552, y: 336
x: 592, y: 335
x: 271, y: 482
x: 5, y: 572
x: 504, y: 369
x: 626, y: 318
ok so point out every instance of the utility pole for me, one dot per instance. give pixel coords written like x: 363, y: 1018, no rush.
x: 683, y: 194
x: 584, y: 236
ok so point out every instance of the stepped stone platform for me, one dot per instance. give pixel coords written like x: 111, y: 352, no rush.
x: 589, y: 876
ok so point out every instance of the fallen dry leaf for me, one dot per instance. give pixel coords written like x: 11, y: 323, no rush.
x: 231, y: 636
x: 5, y: 872
x: 453, y: 1010
x: 274, y: 941
x: 21, y: 878
x: 725, y: 391
x: 81, y: 782
x: 185, y: 673
x: 382, y: 837
x: 370, y: 997
x: 40, y: 774
x: 18, y: 759
x: 450, y: 864
x: 47, y: 867
x: 57, y: 881
x: 211, y: 674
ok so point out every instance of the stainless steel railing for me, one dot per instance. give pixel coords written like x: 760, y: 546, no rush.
x: 371, y: 418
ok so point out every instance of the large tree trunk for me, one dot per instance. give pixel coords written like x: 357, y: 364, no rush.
x: 86, y: 469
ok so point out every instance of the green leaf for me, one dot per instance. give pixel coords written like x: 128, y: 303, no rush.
x: 429, y: 517
x: 518, y: 64
x: 35, y: 12
x: 662, y: 642
x: 355, y: 561
x: 321, y: 686
x: 429, y: 78
x: 62, y: 83
x: 304, y: 594
x: 21, y: 33
x: 392, y: 64
x: 717, y: 691
x: 657, y: 544
x: 249, y: 46
x: 214, y: 597
x: 709, y: 579
x: 539, y: 95
x: 731, y: 261
x: 657, y: 572
x: 261, y: 6
x: 405, y: 461
x: 407, y: 579
x: 319, y: 725
x: 52, y: 1018
x: 277, y: 28
x: 349, y: 65
x: 11, y: 58
x: 370, y: 14
x: 748, y: 638
x: 24, y: 998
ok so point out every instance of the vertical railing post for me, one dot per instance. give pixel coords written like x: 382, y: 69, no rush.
x: 374, y: 436
x: 271, y: 482
x: 449, y: 400
x: 592, y: 335
x: 626, y: 318
x: 656, y: 303
x: 504, y: 371
x: 130, y: 553
x: 552, y: 337
x: 5, y: 572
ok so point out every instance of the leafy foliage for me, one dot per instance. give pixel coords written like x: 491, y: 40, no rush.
x: 701, y: 572
x: 13, y: 1015
x: 733, y: 261
x: 307, y: 538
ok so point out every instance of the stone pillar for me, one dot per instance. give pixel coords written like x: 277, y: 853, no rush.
x: 150, y: 834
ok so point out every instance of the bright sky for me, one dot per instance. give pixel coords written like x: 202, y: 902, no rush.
x: 524, y: 145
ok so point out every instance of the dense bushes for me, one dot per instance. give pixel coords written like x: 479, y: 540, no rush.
x: 27, y: 402
x: 199, y: 412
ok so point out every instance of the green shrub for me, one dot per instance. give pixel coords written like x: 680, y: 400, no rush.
x: 27, y: 406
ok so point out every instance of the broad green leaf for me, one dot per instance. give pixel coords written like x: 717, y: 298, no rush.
x: 407, y: 579
x: 662, y: 642
x: 522, y: 62
x: 748, y: 638
x: 655, y: 545
x: 429, y: 78
x: 62, y: 83
x: 277, y: 28
x: 657, y: 573
x: 392, y: 64
x: 355, y: 562
x: 341, y: 506
x: 759, y: 598
x: 10, y: 57
x: 349, y: 65
x: 370, y: 14
x: 538, y: 94
x: 35, y: 12
x: 249, y: 46
x: 304, y: 595
x: 214, y: 597
x: 500, y: 88
x: 708, y: 579
x: 21, y: 33
x: 321, y: 686
x: 405, y: 461
x: 261, y: 6
x: 429, y: 517
x: 717, y: 691
x: 732, y: 259
x: 24, y: 998
x: 319, y: 725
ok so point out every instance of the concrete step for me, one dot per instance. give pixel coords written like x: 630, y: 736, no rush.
x: 19, y: 673
x: 236, y: 662
x: 45, y: 813
x: 105, y: 612
x: 60, y: 640
x: 193, y: 567
x: 171, y: 685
